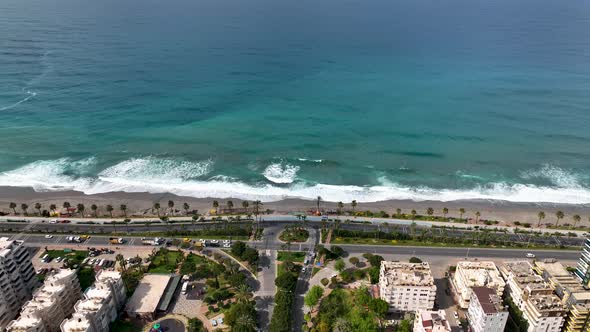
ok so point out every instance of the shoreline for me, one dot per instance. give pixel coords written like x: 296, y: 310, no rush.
x: 141, y: 204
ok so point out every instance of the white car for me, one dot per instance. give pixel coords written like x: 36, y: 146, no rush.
x: 53, y: 221
x: 303, y: 270
x: 226, y: 241
x: 227, y: 245
x: 213, y: 322
x: 48, y: 236
x: 530, y: 255
x: 456, y: 315
x: 214, y: 241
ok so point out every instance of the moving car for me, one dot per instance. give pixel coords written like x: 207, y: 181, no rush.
x: 530, y: 255
x: 48, y: 236
x: 456, y: 315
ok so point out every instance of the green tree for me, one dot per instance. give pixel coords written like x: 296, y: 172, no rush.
x: 313, y: 296
x: 340, y: 265
x: 241, y: 317
x: 216, y: 206
x: 67, y: 205
x: 415, y: 260
x: 94, y: 209
x: 110, y: 209
x: 445, y: 211
x: 353, y: 205
x: 477, y: 215
x: 414, y: 215
x: 195, y: 325
x: 577, y: 219
x: 24, y: 207
x: 541, y: 216
x: 430, y: 211
x: 398, y: 212
x: 245, y: 205
x: 52, y: 207
x: 559, y: 215
x: 318, y: 200
x: 123, y: 209
x: 38, y: 207
x: 80, y: 207
x: 243, y: 293
x: 171, y: 206
x: 13, y: 207
x: 461, y: 213
x: 230, y: 206
x: 157, y: 208
x: 340, y: 207
x: 186, y: 207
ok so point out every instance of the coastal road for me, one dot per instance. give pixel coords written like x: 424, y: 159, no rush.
x: 40, y: 240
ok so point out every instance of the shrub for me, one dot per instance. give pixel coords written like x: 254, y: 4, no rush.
x: 353, y: 260
x: 415, y: 260
x: 325, y: 281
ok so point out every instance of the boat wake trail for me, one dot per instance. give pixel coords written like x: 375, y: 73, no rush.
x: 30, y: 94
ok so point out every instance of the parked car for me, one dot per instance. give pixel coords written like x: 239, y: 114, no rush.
x: 456, y: 315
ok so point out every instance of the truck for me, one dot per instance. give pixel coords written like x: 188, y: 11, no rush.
x: 116, y: 240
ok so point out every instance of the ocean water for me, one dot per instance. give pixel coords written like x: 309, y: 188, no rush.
x: 265, y: 99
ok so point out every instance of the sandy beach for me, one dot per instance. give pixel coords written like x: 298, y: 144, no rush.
x: 141, y: 203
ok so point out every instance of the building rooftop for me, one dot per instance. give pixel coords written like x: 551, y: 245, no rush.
x: 400, y: 274
x: 524, y: 275
x: 105, y: 275
x: 78, y: 322
x: 480, y: 273
x: 24, y: 323
x: 490, y: 302
x: 434, y: 321
x: 148, y: 293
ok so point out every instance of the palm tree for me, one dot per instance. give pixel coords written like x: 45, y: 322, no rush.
x: 123, y: 209
x: 445, y: 212
x: 577, y: 219
x: 477, y: 215
x: 67, y: 205
x: 215, y: 206
x: 461, y: 213
x: 38, y: 207
x: 52, y: 207
x: 186, y: 207
x: 413, y: 215
x: 110, y: 209
x: 353, y: 204
x: 541, y: 216
x: 80, y: 208
x: 398, y: 212
x: 230, y: 206
x: 318, y: 200
x: 243, y: 293
x: 559, y: 215
x: 257, y: 205
x: 13, y: 207
x: 157, y: 208
x: 430, y: 211
x: 94, y: 209
x: 340, y: 207
x: 24, y: 207
x: 119, y: 258
x: 171, y: 206
x: 245, y: 205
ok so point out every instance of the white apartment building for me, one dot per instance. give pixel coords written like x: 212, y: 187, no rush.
x: 486, y: 312
x: 17, y: 279
x: 50, y: 304
x: 476, y: 274
x: 100, y: 305
x: 407, y: 286
x: 542, y: 309
x: 431, y: 321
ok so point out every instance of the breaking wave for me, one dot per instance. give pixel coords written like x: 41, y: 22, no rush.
x: 193, y: 179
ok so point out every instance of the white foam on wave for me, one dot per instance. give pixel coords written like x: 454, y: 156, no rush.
x: 555, y: 175
x: 182, y: 178
x: 281, y: 173
x: 310, y: 160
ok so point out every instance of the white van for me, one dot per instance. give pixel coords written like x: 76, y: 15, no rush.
x: 44, y: 258
x: 184, y: 288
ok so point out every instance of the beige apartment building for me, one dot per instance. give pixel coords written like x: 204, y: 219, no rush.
x: 51, y: 304
x: 542, y: 309
x: 407, y: 286
x: 486, y: 312
x: 17, y: 279
x: 471, y: 274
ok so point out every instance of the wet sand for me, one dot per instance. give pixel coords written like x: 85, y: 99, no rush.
x: 141, y: 204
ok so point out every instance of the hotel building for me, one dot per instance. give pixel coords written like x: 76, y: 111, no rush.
x: 476, y: 274
x: 486, y: 312
x: 17, y: 279
x: 50, y: 304
x: 407, y: 286
x: 542, y: 309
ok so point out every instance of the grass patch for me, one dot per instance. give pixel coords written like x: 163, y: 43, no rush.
x: 85, y: 277
x: 294, y: 256
x: 165, y: 261
x: 74, y: 257
x: 294, y: 234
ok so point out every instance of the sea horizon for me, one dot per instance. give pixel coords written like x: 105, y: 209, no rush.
x: 276, y: 100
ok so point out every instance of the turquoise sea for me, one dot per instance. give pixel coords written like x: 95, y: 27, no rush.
x: 266, y: 99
